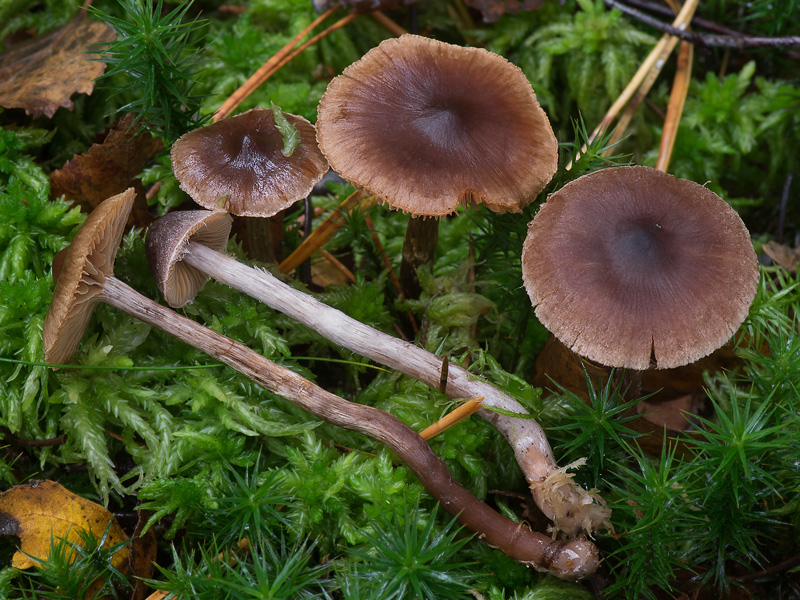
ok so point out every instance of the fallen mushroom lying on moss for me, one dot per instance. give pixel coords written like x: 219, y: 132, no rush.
x: 86, y: 278
x: 184, y: 248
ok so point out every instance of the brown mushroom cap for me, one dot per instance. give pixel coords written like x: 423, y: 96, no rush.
x: 89, y: 260
x: 427, y: 126
x: 630, y: 266
x: 236, y: 164
x: 165, y: 244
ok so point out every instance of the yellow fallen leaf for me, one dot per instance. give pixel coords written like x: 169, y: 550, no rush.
x: 38, y: 509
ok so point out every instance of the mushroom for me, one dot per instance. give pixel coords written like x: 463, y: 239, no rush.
x: 631, y: 267
x: 181, y: 254
x: 87, y: 278
x: 427, y: 126
x: 238, y: 165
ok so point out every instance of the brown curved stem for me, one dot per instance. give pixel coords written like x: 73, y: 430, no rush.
x: 707, y: 39
x: 570, y: 560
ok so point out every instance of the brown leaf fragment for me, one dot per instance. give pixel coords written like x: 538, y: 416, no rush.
x: 494, y: 9
x: 142, y: 556
x: 784, y: 256
x: 38, y: 509
x: 42, y: 74
x: 108, y: 169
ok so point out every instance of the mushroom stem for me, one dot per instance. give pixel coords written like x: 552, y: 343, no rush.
x: 419, y: 247
x: 570, y: 507
x: 569, y: 560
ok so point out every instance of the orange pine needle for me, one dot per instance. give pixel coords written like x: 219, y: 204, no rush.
x: 459, y: 414
x: 677, y: 99
x: 266, y: 70
x: 388, y: 265
x: 384, y: 259
x: 325, y: 231
x: 338, y: 264
x: 338, y: 25
x: 388, y: 23
x: 654, y: 62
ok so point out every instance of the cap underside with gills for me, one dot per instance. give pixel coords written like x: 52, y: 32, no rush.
x: 89, y: 260
x: 165, y: 244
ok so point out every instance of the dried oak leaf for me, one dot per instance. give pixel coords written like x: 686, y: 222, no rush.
x: 786, y: 257
x: 494, y: 9
x: 108, y: 169
x: 42, y: 74
x: 38, y: 509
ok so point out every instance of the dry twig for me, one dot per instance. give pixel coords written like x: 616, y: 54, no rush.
x: 707, y: 39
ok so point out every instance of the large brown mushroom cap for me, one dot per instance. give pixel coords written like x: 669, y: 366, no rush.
x: 166, y: 244
x: 629, y: 265
x: 427, y: 126
x: 236, y: 164
x: 89, y: 260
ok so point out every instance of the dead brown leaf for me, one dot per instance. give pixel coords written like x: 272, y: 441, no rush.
x: 37, y: 510
x: 108, y: 169
x: 42, y: 74
x: 142, y: 556
x: 784, y: 256
x: 676, y: 393
x: 494, y: 9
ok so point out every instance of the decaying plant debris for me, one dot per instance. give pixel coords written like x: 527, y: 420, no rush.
x: 215, y: 475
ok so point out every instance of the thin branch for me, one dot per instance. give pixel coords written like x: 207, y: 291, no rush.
x: 37, y: 443
x: 782, y: 566
x: 661, y: 9
x: 707, y: 39
x: 456, y: 416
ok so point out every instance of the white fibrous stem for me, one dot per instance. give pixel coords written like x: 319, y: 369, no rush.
x: 571, y: 508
